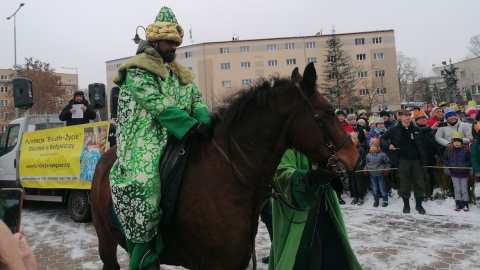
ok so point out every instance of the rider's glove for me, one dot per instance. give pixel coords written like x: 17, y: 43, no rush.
x: 202, y: 129
x: 337, y: 184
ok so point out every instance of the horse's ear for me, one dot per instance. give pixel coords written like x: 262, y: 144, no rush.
x: 296, y: 77
x: 310, y: 76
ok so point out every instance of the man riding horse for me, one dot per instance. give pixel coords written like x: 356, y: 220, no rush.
x: 158, y: 98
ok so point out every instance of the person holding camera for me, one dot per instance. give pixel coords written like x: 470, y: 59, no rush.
x: 15, y: 253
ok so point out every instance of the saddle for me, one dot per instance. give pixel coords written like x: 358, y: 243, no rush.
x: 172, y: 165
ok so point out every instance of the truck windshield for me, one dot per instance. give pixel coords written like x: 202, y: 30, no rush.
x: 9, y: 139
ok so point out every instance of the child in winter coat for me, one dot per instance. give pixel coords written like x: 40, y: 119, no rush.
x: 376, y: 161
x: 356, y: 180
x: 456, y: 155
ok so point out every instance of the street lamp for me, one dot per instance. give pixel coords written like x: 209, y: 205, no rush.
x: 76, y: 72
x: 383, y: 89
x: 137, y: 38
x: 15, y: 43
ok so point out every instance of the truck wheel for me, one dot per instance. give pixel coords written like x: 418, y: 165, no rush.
x: 79, y: 206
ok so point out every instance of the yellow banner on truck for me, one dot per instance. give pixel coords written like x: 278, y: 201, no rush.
x: 62, y: 157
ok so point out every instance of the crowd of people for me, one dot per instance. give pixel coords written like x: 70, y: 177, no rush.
x: 398, y: 148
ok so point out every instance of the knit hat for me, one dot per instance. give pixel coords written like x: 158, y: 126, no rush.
x: 384, y: 113
x: 78, y: 93
x: 378, y: 120
x: 437, y: 108
x: 419, y: 114
x: 339, y: 112
x: 457, y: 136
x: 472, y: 103
x: 165, y: 27
x: 361, y: 122
x: 450, y: 112
x: 361, y: 111
x: 371, y: 119
x: 471, y: 111
x: 351, y: 117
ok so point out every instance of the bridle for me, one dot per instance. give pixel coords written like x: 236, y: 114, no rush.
x: 333, y: 162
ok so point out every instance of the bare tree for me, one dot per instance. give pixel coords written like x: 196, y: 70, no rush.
x: 474, y: 48
x: 408, y: 72
x: 47, y: 86
x: 369, y: 96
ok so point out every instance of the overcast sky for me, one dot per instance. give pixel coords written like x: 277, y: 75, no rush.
x: 84, y: 34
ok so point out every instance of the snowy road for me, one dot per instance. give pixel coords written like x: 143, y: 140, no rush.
x: 383, y: 238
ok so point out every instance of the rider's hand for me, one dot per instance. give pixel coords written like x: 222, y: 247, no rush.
x: 202, y: 129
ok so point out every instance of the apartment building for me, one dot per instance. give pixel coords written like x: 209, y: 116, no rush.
x: 468, y: 75
x: 7, y: 111
x: 227, y: 66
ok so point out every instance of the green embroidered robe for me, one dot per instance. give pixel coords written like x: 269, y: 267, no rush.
x: 155, y: 100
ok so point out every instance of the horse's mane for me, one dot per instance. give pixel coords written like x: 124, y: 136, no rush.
x: 235, y: 105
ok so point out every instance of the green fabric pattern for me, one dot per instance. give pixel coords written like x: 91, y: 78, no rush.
x: 291, y: 178
x: 146, y: 100
x: 166, y: 15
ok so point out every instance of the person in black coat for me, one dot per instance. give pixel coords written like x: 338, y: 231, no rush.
x: 88, y: 112
x: 406, y: 144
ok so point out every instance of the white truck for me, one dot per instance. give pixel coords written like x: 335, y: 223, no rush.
x: 34, y: 150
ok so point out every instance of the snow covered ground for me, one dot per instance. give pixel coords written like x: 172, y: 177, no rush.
x: 382, y: 238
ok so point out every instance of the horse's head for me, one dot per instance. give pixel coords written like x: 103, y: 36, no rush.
x: 316, y: 131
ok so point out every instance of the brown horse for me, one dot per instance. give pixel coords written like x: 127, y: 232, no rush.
x: 226, y: 179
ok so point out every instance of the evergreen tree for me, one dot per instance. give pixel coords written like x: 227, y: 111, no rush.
x: 338, y: 76
x: 450, y: 77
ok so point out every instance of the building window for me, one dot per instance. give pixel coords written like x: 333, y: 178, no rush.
x: 291, y: 62
x: 359, y: 41
x: 59, y: 102
x: 312, y: 60
x: 245, y: 64
x: 381, y: 91
x: 225, y: 66
x: 311, y: 45
x: 462, y: 74
x: 382, y: 108
x: 70, y: 91
x: 4, y: 102
x: 4, y: 89
x: 244, y: 49
x: 69, y: 80
x: 188, y: 54
x: 226, y: 84
x: 378, y: 56
x: 364, y: 92
x: 246, y: 82
x: 332, y: 76
x: 224, y: 50
x: 271, y: 47
x: 272, y: 63
x: 330, y: 59
x: 476, y: 89
x: 3, y: 77
x: 361, y: 57
x: 6, y: 115
x: 290, y: 46
x: 379, y: 73
x: 362, y: 74
x: 4, y: 128
x: 377, y: 40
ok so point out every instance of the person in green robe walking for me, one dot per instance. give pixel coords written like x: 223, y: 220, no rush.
x: 320, y: 240
x: 158, y: 98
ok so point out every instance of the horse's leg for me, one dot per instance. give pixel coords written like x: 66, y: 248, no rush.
x: 108, y: 237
